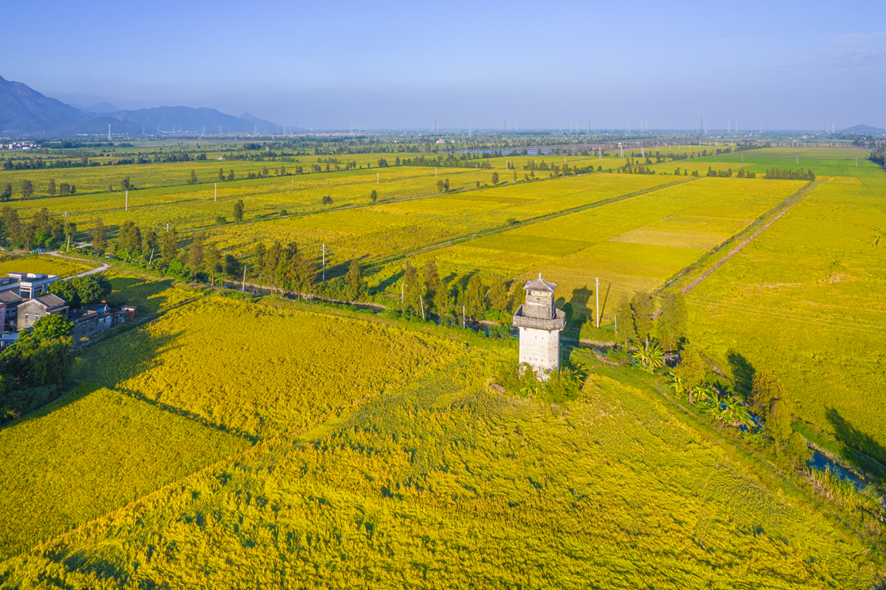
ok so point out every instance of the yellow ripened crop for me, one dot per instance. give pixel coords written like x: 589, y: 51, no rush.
x: 300, y: 367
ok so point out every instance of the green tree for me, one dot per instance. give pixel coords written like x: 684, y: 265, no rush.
x: 413, y: 287
x: 193, y: 178
x: 221, y: 174
x: 93, y: 289
x: 211, y: 261
x: 258, y: 258
x: 431, y: 279
x: 27, y: 189
x: 239, y: 209
x: 125, y: 184
x: 624, y: 320
x: 641, y: 305
x: 765, y: 391
x: 273, y: 257
x: 494, y: 178
x: 231, y: 175
x: 233, y: 267
x: 497, y: 294
x: 354, y: 278
x: 691, y: 370
x: 52, y: 326
x: 67, y: 290
x: 50, y: 190
x: 195, y: 253
x: 373, y: 196
x: 150, y: 241
x: 170, y: 246
x: 99, y: 237
x: 327, y: 200
x: 474, y: 297
x: 130, y: 237
x: 671, y: 324
x: 7, y: 192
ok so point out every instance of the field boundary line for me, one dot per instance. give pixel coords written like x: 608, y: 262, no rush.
x: 781, y: 208
x: 530, y: 221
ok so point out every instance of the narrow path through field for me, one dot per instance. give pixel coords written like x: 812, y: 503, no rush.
x: 791, y: 202
x: 104, y: 266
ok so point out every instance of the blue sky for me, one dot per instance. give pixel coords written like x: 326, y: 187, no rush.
x: 406, y: 64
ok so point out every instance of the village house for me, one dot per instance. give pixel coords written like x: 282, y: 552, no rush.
x: 31, y: 285
x: 31, y: 311
x: 95, y: 318
x: 9, y: 302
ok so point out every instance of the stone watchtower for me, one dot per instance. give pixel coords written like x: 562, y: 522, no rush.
x: 540, y: 324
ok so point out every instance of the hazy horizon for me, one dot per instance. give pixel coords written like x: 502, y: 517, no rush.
x: 404, y: 66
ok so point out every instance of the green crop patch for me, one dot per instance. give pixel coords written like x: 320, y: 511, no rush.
x: 88, y: 453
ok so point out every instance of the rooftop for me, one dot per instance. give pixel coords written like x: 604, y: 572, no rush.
x: 540, y: 284
x: 50, y: 301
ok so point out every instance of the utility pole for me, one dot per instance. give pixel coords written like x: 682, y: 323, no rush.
x: 422, y: 305
x: 152, y: 257
x: 435, y: 173
x: 376, y: 178
x: 243, y: 288
x: 597, y: 293
x: 462, y: 317
x: 126, y: 206
x: 292, y: 185
x: 216, y: 192
x: 402, y: 291
x: 167, y: 228
x: 323, y: 250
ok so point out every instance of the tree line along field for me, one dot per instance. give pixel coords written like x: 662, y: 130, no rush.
x: 425, y: 476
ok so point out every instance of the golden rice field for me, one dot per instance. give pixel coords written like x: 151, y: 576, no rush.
x: 258, y: 370
x: 441, y: 483
x: 41, y: 264
x: 196, y: 206
x: 804, y: 301
x: 390, y: 228
x: 631, y: 245
x: 90, y: 453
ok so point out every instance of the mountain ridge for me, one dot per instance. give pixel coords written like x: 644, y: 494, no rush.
x: 25, y: 111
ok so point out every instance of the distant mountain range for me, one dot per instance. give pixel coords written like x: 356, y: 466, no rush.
x: 24, y: 111
x: 864, y: 130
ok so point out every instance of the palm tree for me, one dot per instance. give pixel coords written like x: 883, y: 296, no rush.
x: 650, y: 357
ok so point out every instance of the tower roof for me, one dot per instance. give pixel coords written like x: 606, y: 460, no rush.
x: 540, y: 284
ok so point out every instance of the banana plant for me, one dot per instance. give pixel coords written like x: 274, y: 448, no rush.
x: 650, y: 357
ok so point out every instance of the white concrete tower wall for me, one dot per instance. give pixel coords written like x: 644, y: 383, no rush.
x: 540, y: 349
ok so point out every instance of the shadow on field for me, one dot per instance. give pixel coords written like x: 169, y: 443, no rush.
x: 851, y: 436
x: 114, y: 361
x: 742, y: 372
x: 146, y: 295
x: 394, y: 278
